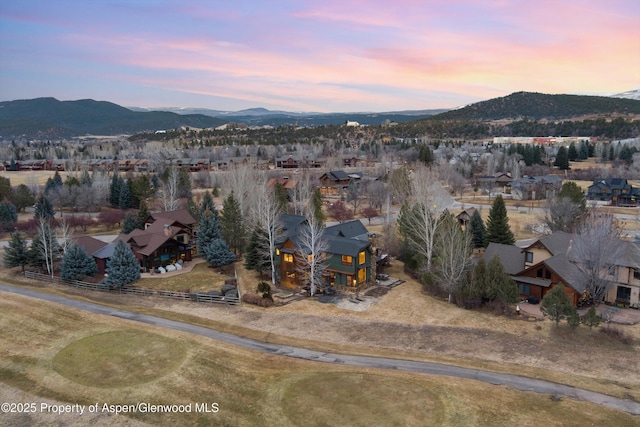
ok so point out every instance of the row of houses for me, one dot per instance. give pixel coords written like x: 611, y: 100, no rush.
x: 191, y: 164
x: 539, y: 266
x: 171, y: 236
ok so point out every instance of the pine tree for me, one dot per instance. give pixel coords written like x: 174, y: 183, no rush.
x: 217, y: 253
x: 43, y: 209
x: 281, y: 196
x: 123, y: 266
x: 257, y: 251
x: 114, y: 192
x: 16, y: 253
x: 129, y: 223
x: 143, y: 213
x: 316, y: 205
x: 572, y: 154
x: 590, y: 318
x: 562, y: 159
x: 556, y: 304
x: 77, y: 264
x: 35, y: 258
x: 498, y: 230
x: 124, y: 198
x: 208, y: 229
x: 207, y: 204
x: 233, y: 230
x: 478, y: 230
x: 8, y: 216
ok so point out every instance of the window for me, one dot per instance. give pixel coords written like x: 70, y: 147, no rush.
x: 362, y: 275
x: 277, y: 251
x: 291, y: 275
x: 539, y: 272
x: 361, y: 258
x: 547, y: 274
x: 350, y: 280
x: 636, y: 273
x: 524, y: 289
x: 347, y: 260
x: 180, y: 238
x: 310, y: 258
x: 623, y: 294
x: 528, y: 256
x: 611, y: 270
x: 287, y: 257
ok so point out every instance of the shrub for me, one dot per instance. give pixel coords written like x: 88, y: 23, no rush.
x: 617, y: 335
x: 256, y: 300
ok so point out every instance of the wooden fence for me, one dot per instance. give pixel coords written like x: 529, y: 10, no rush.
x: 134, y: 290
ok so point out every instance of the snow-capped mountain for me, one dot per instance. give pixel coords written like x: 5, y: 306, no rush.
x: 630, y: 94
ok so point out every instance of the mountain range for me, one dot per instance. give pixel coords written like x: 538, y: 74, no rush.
x: 49, y: 118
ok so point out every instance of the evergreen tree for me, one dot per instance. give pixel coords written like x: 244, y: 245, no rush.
x: 208, y: 229
x: 590, y: 318
x: 16, y: 253
x: 562, y: 159
x: 53, y: 183
x: 114, y: 191
x: 143, y: 213
x: 232, y: 224
x: 129, y: 223
x: 43, y: 209
x: 498, y: 230
x: 207, y: 204
x: 572, y: 154
x: 8, y: 216
x: 123, y: 267
x: 572, y: 191
x: 583, y: 152
x: 477, y: 230
x: 217, y: 253
x: 22, y: 197
x: 257, y: 251
x: 573, y: 319
x: 124, y: 199
x: 281, y: 196
x: 77, y: 264
x: 556, y: 304
x: 316, y: 205
x: 425, y: 155
x: 612, y: 154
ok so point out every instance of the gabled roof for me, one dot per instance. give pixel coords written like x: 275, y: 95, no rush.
x: 569, y: 274
x: 105, y: 252
x: 556, y: 243
x: 90, y: 244
x: 344, y: 246
x: 181, y: 215
x: 352, y: 230
x: 511, y: 257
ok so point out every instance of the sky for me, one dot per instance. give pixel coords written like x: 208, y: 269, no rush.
x: 320, y: 55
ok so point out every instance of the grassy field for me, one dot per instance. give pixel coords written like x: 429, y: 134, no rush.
x: 202, y: 278
x: 41, y: 360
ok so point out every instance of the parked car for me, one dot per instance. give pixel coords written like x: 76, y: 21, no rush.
x: 533, y: 299
x: 382, y: 276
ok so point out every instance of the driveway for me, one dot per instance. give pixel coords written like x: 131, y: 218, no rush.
x: 514, y: 381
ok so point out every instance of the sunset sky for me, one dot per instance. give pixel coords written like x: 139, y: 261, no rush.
x: 326, y: 56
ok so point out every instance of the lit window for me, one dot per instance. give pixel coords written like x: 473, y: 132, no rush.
x: 347, y: 260
x: 291, y: 275
x: 362, y: 275
x: 277, y: 251
x: 361, y: 258
x: 287, y: 257
x: 310, y: 258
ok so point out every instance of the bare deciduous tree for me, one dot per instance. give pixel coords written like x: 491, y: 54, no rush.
x: 170, y: 191
x: 418, y: 221
x: 453, y: 249
x: 594, y: 250
x: 311, y: 247
x: 48, y: 244
x: 265, y: 213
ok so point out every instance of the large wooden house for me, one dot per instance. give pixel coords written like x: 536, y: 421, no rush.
x: 348, y: 257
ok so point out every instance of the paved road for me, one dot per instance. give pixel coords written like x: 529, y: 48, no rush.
x: 514, y: 381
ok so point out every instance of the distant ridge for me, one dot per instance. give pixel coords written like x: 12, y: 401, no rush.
x: 537, y: 106
x: 630, y: 94
x: 51, y: 118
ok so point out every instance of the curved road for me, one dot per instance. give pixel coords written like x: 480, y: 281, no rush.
x: 514, y: 381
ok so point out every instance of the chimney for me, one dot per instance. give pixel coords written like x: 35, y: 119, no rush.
x: 167, y: 230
